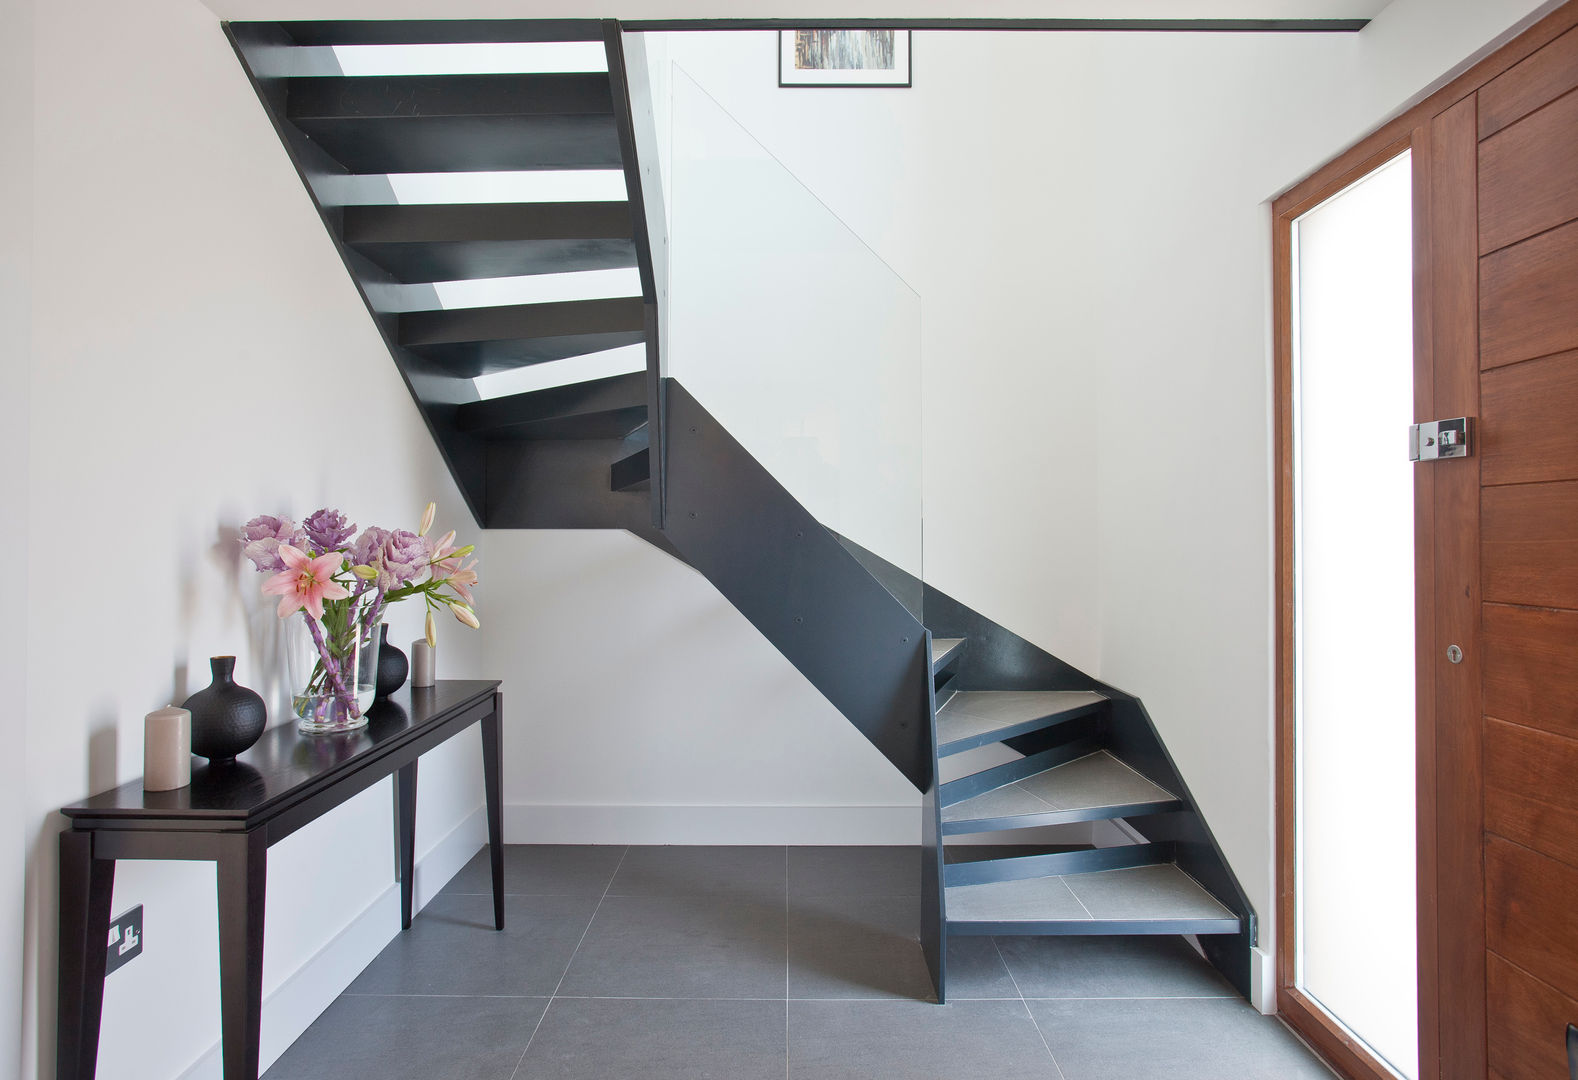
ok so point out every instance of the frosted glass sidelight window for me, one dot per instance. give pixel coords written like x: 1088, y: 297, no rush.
x: 1354, y: 566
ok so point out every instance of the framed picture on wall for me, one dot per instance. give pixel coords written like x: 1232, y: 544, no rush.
x: 844, y: 58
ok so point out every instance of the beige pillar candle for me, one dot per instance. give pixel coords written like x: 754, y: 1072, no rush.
x: 424, y: 663
x: 167, y: 749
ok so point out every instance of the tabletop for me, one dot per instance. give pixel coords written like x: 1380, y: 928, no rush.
x: 284, y: 764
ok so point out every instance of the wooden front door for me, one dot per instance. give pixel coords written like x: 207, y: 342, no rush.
x: 1501, y: 256
x: 1525, y: 152
x: 1495, y: 165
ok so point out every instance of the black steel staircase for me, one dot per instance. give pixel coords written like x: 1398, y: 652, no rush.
x: 637, y: 451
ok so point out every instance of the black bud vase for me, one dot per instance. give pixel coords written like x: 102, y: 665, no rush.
x: 392, y: 666
x: 226, y: 717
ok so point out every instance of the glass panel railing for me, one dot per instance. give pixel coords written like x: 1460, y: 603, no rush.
x: 796, y: 335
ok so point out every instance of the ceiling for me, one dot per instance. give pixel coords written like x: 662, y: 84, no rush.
x: 798, y: 9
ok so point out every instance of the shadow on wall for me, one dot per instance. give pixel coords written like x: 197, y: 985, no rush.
x: 103, y: 764
x: 243, y: 604
x: 42, y: 930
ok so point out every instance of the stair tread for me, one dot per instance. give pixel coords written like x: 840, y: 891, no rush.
x: 455, y: 242
x: 942, y: 648
x: 414, y: 97
x: 423, y: 144
x: 613, y: 394
x: 1146, y: 894
x: 417, y: 223
x: 459, y: 123
x: 475, y: 341
x: 552, y: 319
x: 1092, y: 782
x: 632, y: 472
x: 973, y: 718
x: 449, y: 31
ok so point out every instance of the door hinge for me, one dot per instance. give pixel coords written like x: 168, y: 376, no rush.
x: 1440, y: 439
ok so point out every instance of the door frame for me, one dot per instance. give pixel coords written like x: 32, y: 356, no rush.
x: 1302, y: 1013
x: 1449, y: 842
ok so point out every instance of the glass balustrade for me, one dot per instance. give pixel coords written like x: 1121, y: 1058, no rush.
x: 793, y: 332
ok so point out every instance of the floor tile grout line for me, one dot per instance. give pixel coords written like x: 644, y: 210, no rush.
x: 527, y: 895
x: 598, y: 907
x: 1088, y: 913
x: 1025, y: 1005
x: 551, y: 997
x: 538, y: 1027
x: 889, y: 1000
x: 850, y: 1000
x: 1143, y: 997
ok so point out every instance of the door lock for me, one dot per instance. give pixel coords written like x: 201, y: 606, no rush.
x: 1440, y: 439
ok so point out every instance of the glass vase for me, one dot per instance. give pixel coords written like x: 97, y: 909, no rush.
x: 333, y: 667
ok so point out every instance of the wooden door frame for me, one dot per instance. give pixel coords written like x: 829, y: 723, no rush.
x: 1451, y: 1010
x: 1303, y: 1014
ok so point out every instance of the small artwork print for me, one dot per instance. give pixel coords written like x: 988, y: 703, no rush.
x: 844, y: 58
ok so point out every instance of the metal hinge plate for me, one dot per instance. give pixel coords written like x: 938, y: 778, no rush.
x: 1440, y: 439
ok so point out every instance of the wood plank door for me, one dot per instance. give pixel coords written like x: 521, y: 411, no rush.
x: 1504, y: 263
x: 1495, y: 170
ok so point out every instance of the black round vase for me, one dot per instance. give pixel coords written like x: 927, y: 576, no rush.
x: 226, y: 717
x: 392, y: 666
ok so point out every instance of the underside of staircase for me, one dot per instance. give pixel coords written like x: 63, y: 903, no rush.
x: 924, y: 681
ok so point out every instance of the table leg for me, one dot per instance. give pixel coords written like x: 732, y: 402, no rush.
x: 86, y: 887
x: 405, y: 796
x: 492, y: 738
x: 243, y: 870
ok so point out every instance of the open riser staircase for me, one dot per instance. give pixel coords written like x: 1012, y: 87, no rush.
x: 635, y: 450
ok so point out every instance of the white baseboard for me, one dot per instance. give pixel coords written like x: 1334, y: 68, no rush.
x: 529, y: 823
x: 1263, y: 980
x: 293, y: 1005
x: 446, y: 858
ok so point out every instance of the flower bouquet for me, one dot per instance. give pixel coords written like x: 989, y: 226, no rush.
x: 342, y: 583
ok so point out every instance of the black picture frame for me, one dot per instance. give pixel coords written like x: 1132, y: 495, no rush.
x: 902, y: 76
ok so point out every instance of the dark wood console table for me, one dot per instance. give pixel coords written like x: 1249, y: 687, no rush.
x: 231, y: 815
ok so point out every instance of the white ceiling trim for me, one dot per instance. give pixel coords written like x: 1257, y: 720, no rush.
x: 788, y: 9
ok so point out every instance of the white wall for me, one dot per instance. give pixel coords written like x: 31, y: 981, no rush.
x: 1085, y: 218
x: 198, y: 355
x: 16, y: 248
x: 642, y: 708
x: 1081, y: 215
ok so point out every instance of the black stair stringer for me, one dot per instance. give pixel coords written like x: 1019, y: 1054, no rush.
x: 999, y: 659
x: 796, y: 583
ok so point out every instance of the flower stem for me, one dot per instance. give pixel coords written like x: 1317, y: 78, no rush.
x: 331, y: 668
x: 375, y: 612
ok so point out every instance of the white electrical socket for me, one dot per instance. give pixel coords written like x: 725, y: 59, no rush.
x: 125, y: 943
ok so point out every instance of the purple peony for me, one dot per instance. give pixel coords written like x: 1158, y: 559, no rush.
x: 364, y: 552
x: 403, y: 558
x: 261, y: 537
x: 327, y: 530
x: 400, y: 557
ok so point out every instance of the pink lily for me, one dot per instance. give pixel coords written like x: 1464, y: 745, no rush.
x: 443, y: 560
x: 461, y: 581
x: 305, y: 582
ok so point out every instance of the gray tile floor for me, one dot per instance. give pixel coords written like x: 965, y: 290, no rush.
x: 739, y: 963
